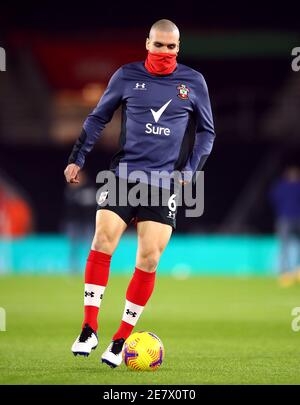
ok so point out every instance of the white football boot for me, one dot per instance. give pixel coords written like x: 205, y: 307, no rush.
x: 113, y: 354
x: 86, y: 342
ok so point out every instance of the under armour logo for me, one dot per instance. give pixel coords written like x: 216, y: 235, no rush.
x: 133, y: 314
x: 140, y: 86
x: 171, y: 215
x: 89, y: 294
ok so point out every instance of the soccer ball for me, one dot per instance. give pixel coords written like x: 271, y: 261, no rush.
x: 143, y: 351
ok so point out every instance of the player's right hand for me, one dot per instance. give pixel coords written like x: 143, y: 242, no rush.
x: 71, y: 173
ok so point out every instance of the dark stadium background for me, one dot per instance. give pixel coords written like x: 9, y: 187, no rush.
x: 245, y: 82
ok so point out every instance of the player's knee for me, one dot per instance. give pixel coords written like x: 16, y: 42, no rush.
x: 149, y: 261
x: 103, y: 242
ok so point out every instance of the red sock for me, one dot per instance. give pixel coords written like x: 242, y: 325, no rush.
x: 96, y: 278
x: 138, y: 293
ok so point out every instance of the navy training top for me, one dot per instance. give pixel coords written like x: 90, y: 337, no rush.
x: 167, y: 121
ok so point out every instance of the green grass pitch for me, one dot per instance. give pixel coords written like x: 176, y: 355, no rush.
x: 215, y: 331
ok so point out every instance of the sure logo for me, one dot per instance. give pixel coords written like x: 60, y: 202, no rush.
x: 155, y: 129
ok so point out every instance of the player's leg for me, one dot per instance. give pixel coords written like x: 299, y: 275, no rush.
x: 286, y: 277
x: 109, y: 228
x: 153, y: 237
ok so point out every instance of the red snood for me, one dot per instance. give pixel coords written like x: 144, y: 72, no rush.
x: 160, y: 63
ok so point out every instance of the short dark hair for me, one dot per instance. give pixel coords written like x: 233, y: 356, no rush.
x: 164, y: 25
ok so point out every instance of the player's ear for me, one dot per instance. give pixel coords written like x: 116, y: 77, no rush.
x: 147, y: 43
x: 178, y: 47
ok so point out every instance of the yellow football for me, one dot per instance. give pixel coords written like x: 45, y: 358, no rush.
x: 143, y: 351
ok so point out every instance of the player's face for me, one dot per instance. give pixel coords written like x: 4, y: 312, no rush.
x: 159, y: 41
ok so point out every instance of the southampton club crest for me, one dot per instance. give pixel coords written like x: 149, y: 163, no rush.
x: 183, y: 91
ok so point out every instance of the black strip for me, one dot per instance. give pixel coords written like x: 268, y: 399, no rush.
x: 236, y: 394
x: 122, y: 140
x: 187, y: 144
x: 203, y: 159
x: 76, y: 148
x: 202, y: 162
